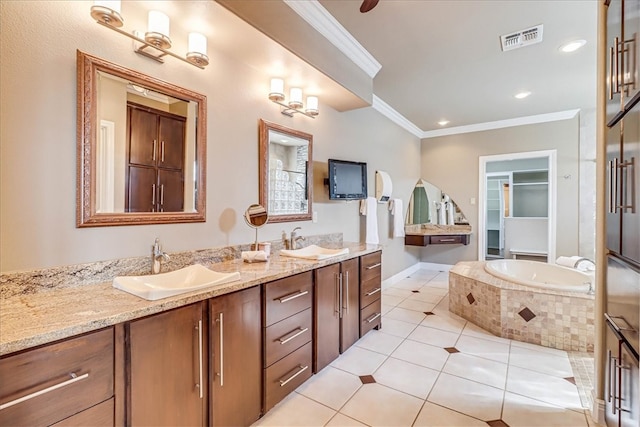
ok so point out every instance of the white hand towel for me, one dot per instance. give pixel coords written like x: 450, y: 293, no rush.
x: 398, y: 219
x: 369, y: 208
x: 254, y: 256
x: 568, y: 261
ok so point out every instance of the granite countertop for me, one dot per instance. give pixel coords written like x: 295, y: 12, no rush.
x: 29, y: 319
x: 437, y: 229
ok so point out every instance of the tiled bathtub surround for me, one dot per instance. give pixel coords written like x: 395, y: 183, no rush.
x: 556, y: 319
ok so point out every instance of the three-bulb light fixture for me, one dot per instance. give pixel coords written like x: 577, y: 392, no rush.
x: 294, y: 105
x: 156, y: 41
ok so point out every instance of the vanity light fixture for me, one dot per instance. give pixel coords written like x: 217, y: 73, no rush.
x: 156, y: 41
x: 295, y: 105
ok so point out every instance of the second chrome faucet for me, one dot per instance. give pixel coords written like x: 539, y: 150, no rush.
x: 158, y: 257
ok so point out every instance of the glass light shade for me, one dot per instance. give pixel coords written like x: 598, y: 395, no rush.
x: 158, y: 30
x: 107, y: 12
x: 197, y: 53
x: 295, y: 97
x: 312, y: 105
x: 277, y: 90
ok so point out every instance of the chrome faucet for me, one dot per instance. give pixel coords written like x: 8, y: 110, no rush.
x: 292, y: 241
x: 158, y: 257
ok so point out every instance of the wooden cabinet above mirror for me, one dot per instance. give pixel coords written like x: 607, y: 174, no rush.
x: 141, y: 148
x: 285, y: 173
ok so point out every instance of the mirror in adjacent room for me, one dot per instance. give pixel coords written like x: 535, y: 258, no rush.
x: 141, y: 148
x: 430, y: 205
x: 256, y: 216
x: 285, y: 173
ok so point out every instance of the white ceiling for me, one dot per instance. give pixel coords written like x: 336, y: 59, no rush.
x: 442, y: 59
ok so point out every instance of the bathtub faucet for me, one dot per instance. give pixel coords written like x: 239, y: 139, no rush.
x: 590, y: 267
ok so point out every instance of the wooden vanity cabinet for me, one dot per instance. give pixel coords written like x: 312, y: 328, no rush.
x: 236, y: 358
x: 287, y: 319
x: 167, y: 368
x: 370, y: 292
x: 337, y: 316
x: 70, y: 382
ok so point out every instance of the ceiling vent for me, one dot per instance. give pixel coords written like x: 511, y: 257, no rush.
x: 521, y: 38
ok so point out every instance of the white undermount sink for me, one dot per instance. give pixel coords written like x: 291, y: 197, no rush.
x: 313, y: 252
x: 163, y: 285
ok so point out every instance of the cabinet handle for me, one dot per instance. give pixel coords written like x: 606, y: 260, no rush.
x: 336, y: 301
x: 155, y: 147
x: 340, y: 296
x: 374, y: 317
x: 611, y: 73
x: 220, y: 321
x: 616, y: 54
x: 371, y: 267
x: 200, y: 387
x: 346, y: 291
x: 610, y: 365
x: 611, y: 188
x: 628, y: 177
x: 300, y: 368
x: 296, y: 334
x: 74, y: 378
x: 153, y: 197
x: 162, y: 151
x: 162, y: 197
x: 375, y: 291
x: 292, y: 296
x: 446, y: 240
x: 614, y: 165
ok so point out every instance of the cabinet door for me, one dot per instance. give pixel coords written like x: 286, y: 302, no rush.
x: 236, y: 358
x: 141, y: 189
x: 170, y: 191
x: 167, y: 368
x: 327, y: 316
x: 143, y: 137
x: 171, y: 137
x: 350, y: 322
x: 629, y: 183
x: 614, y: 138
x: 629, y: 49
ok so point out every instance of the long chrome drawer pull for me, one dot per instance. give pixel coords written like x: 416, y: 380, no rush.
x: 220, y: 321
x: 301, y: 369
x: 296, y: 334
x: 292, y: 296
x: 74, y: 378
x: 375, y: 291
x: 374, y: 317
x: 371, y: 267
x: 446, y: 240
x: 200, y: 386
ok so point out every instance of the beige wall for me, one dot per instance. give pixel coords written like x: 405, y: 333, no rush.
x: 38, y: 146
x: 462, y: 153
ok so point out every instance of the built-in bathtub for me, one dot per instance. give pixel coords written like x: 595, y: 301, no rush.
x: 526, y: 301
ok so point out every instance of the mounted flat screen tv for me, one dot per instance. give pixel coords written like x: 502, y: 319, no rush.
x: 347, y: 180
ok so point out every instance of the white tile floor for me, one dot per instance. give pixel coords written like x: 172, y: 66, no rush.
x: 479, y: 380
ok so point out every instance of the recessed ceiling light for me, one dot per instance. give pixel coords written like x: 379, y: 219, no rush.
x: 522, y: 95
x: 443, y: 122
x: 572, y: 46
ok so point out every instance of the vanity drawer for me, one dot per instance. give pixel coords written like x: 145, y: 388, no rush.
x: 286, y: 375
x: 370, y: 291
x: 288, y: 296
x: 370, y: 317
x: 449, y: 239
x: 370, y: 266
x: 53, y: 382
x: 100, y: 415
x: 286, y: 336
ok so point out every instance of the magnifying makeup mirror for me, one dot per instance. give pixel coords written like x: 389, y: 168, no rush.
x: 256, y: 216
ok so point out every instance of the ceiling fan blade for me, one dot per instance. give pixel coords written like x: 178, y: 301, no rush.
x: 367, y: 5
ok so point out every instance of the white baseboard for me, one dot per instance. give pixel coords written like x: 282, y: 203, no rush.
x: 597, y: 409
x: 409, y: 271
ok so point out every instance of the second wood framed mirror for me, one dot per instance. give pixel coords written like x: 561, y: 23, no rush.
x: 285, y: 172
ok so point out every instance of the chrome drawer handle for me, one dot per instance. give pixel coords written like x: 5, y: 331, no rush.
x: 292, y: 296
x: 374, y: 317
x: 301, y: 369
x: 375, y: 291
x: 371, y: 267
x: 200, y: 386
x: 445, y: 240
x: 220, y: 321
x: 297, y: 334
x: 74, y: 378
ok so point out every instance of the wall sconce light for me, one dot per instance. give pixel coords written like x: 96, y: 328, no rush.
x: 156, y: 41
x: 295, y: 105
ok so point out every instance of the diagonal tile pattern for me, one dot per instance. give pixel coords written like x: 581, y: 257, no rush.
x: 429, y: 367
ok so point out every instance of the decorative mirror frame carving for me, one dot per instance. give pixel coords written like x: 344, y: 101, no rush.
x: 86, y: 215
x: 263, y: 170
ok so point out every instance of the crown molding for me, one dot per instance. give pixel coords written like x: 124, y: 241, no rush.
x: 396, y: 117
x: 499, y: 124
x: 320, y: 19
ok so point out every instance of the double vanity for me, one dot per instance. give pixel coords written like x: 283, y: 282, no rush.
x: 91, y: 354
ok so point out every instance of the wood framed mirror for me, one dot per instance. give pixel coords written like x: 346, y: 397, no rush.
x: 285, y: 172
x: 141, y: 148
